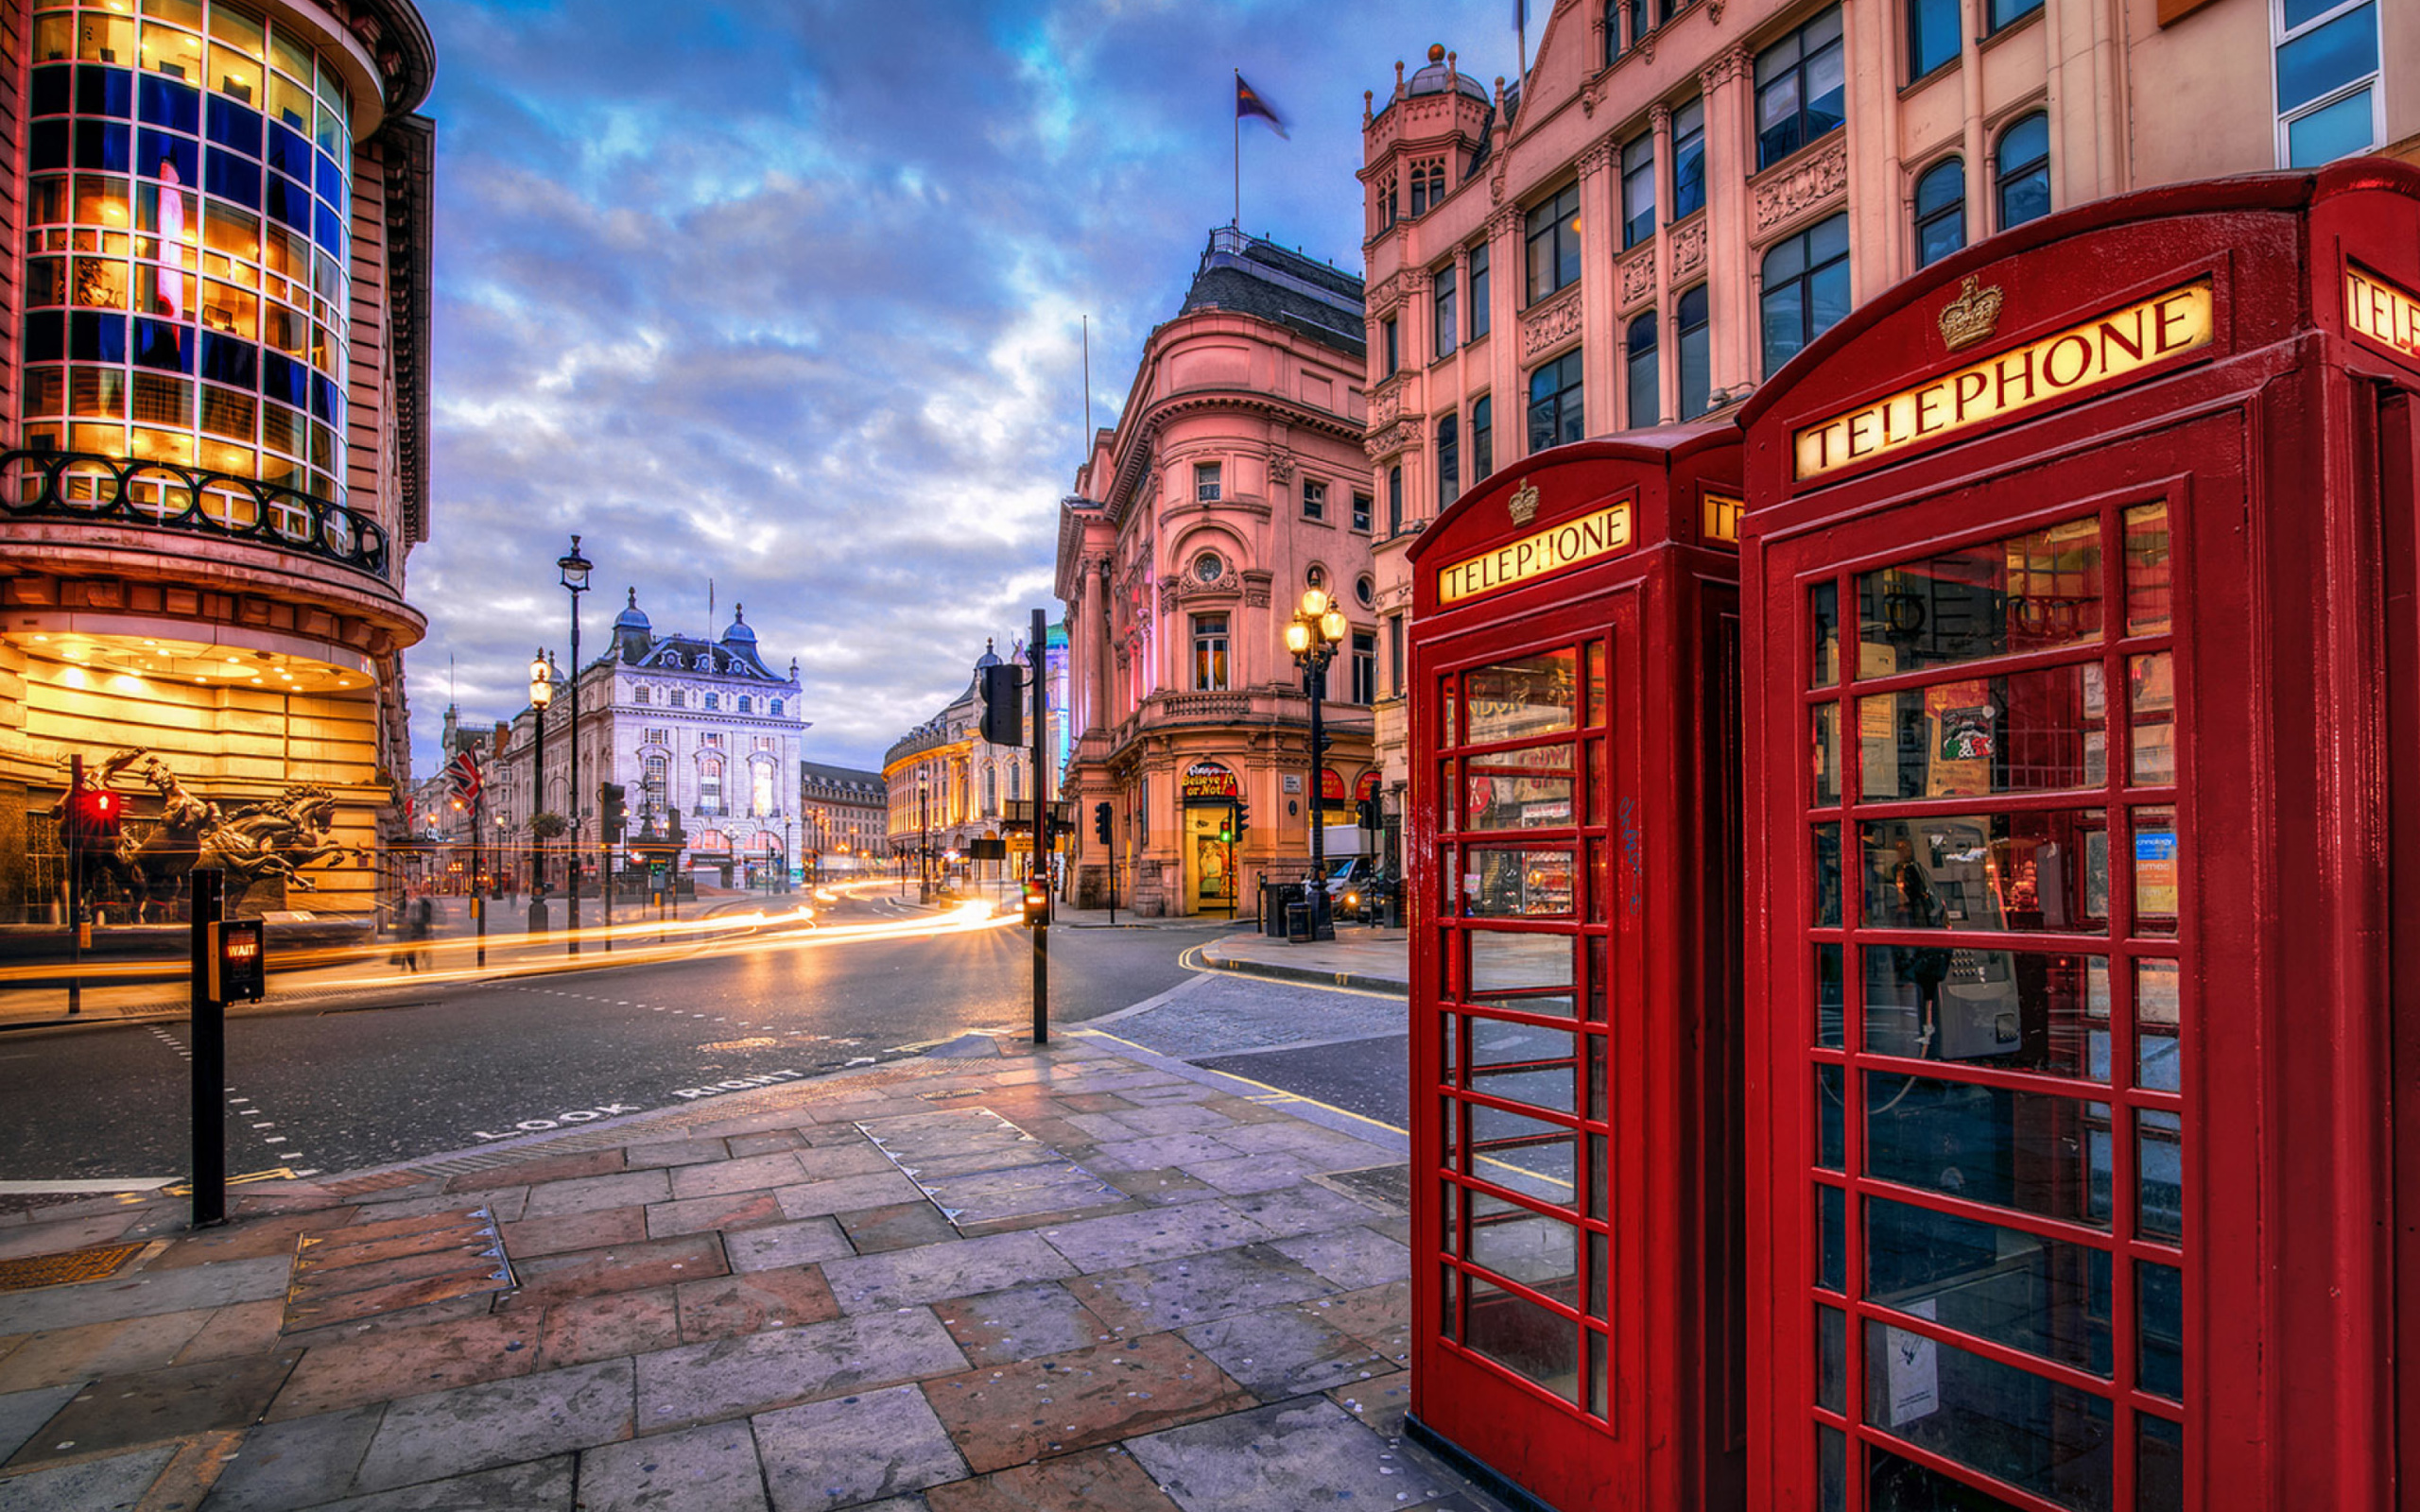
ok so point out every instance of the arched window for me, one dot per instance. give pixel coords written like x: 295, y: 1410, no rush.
x: 1644, y: 401
x: 1449, y: 460
x: 1806, y: 288
x: 743, y: 703
x: 1695, y: 319
x: 713, y: 700
x: 991, y: 788
x: 776, y: 710
x: 1941, y: 211
x: 2025, y: 171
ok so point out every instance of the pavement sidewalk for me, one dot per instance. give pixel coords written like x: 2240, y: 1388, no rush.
x: 1377, y: 960
x: 994, y: 1277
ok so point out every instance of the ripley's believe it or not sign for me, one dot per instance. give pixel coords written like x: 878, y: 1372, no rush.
x: 1550, y: 550
x: 2041, y: 372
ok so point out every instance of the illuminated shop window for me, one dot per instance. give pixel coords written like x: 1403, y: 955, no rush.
x: 187, y: 299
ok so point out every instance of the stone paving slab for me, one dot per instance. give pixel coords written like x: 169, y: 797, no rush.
x: 711, y: 1468
x: 852, y: 1449
x: 498, y: 1423
x: 115, y: 1483
x: 815, y: 1336
x: 705, y: 1382
x: 145, y: 1294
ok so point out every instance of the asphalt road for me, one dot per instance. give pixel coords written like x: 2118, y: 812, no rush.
x: 334, y: 1090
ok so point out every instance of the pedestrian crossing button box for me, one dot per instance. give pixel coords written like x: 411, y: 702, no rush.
x: 238, y: 962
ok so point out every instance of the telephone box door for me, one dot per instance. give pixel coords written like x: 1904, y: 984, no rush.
x: 1531, y: 953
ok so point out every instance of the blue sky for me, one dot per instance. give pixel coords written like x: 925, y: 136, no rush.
x: 788, y: 297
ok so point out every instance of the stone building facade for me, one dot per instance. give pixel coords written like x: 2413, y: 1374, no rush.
x: 845, y: 814
x: 1233, y: 480
x: 1683, y: 194
x: 944, y: 784
x: 685, y: 724
x: 214, y: 376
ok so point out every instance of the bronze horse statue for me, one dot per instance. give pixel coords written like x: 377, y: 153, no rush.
x: 276, y: 837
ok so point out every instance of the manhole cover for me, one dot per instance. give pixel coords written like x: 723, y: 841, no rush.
x: 344, y: 1274
x: 58, y: 1270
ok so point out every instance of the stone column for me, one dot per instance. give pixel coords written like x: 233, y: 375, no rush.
x: 1506, y: 278
x: 1095, y: 631
x: 1668, y: 329
x: 1728, y: 80
x: 1599, y: 218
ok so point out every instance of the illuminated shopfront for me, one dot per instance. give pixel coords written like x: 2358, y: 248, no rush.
x: 219, y: 457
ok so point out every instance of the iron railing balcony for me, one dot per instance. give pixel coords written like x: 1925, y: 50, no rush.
x: 91, y: 488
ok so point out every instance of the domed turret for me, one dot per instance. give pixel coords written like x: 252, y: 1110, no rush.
x: 1441, y: 74
x: 632, y: 634
x: 739, y: 634
x: 989, y: 657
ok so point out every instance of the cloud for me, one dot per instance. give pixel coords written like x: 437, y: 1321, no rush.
x: 788, y: 298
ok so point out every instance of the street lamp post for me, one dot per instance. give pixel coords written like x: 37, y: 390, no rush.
x: 924, y: 839
x: 541, y: 692
x: 573, y: 568
x: 1312, y: 635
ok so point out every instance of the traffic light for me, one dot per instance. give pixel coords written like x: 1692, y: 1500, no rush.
x: 1367, y: 816
x: 1100, y: 821
x: 1241, y: 819
x: 1037, y: 901
x: 1004, y: 704
x: 93, y: 814
x: 612, y: 809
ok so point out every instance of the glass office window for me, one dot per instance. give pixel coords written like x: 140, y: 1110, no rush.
x: 1801, y: 89
x: 1941, y: 211
x: 2024, y: 184
x: 1644, y: 397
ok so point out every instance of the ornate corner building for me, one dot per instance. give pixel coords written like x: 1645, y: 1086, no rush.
x: 214, y: 339
x: 944, y: 784
x: 702, y: 727
x: 1233, y: 480
x: 1680, y: 194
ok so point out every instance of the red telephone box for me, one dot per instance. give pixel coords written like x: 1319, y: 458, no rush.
x: 1572, y: 834
x: 2085, y: 692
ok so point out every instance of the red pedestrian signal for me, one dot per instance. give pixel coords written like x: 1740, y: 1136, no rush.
x: 1037, y: 901
x: 93, y: 814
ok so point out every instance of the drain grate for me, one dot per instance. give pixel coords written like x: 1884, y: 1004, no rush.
x: 341, y: 1275
x: 58, y: 1270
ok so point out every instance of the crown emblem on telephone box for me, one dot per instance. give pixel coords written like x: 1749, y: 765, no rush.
x: 1524, y: 502
x: 1972, y: 316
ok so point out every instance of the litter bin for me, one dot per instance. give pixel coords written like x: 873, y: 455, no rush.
x: 1298, y: 923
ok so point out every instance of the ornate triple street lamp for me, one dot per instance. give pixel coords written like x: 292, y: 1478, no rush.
x: 1312, y: 635
x: 541, y: 692
x: 575, y: 569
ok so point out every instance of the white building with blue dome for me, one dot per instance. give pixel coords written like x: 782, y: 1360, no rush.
x: 703, y: 728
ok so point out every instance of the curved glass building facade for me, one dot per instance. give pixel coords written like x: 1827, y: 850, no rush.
x: 189, y: 173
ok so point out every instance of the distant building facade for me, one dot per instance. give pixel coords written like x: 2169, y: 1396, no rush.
x: 1233, y: 480
x: 844, y: 812
x: 1684, y: 194
x: 944, y: 784
x: 688, y: 725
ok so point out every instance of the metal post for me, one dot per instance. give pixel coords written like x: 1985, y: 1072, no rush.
x: 1036, y: 664
x: 605, y: 875
x: 479, y: 922
x: 75, y: 888
x: 571, y: 929
x: 1313, y: 681
x: 537, y: 789
x: 209, y: 1061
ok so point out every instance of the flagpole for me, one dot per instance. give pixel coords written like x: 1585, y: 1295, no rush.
x: 1239, y: 221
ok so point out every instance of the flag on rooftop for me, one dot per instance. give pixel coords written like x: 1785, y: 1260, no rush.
x: 1248, y: 102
